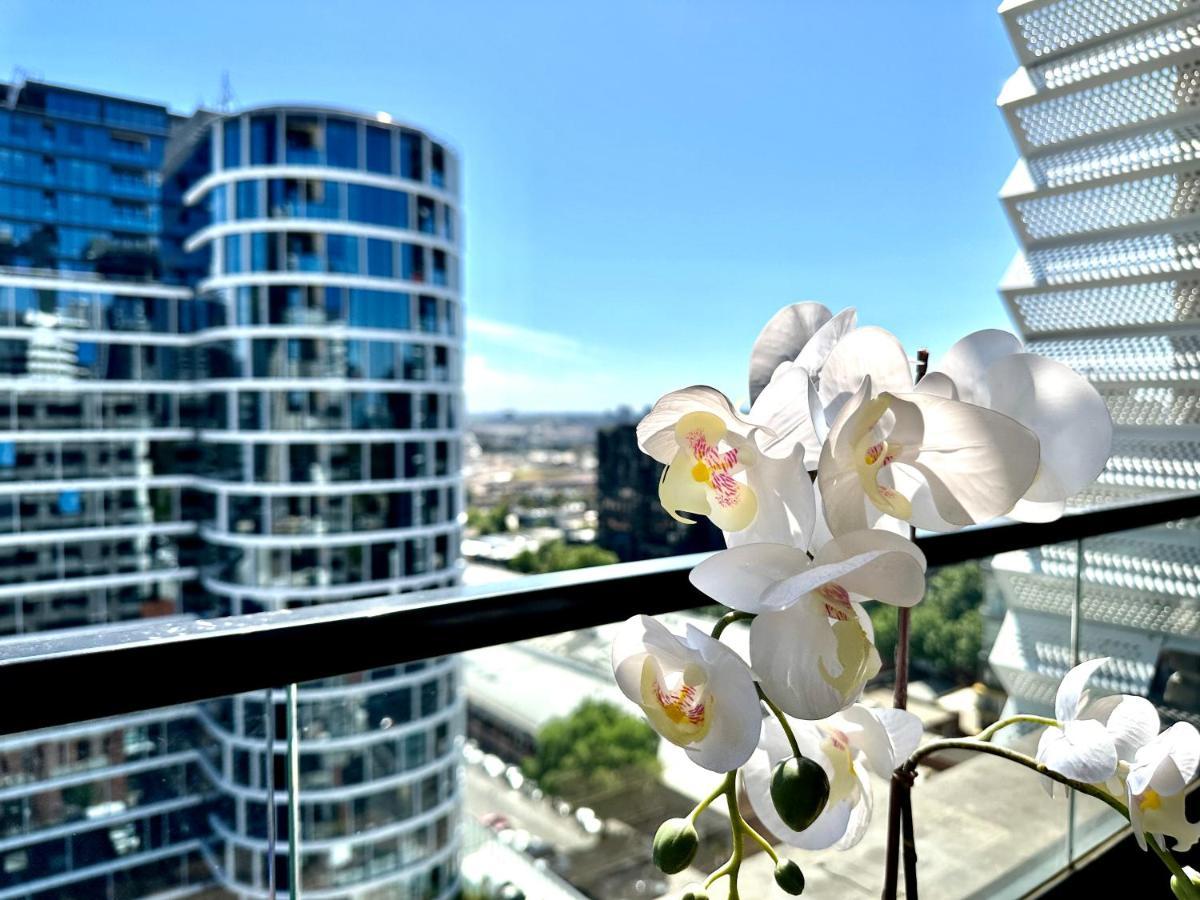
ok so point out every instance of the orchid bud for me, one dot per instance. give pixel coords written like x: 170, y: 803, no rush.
x: 675, y: 845
x: 799, y: 790
x: 694, y: 892
x: 1179, y: 890
x: 789, y: 877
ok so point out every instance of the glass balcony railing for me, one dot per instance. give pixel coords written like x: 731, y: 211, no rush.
x: 395, y: 745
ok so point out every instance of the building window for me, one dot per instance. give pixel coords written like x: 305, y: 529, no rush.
x: 231, y: 130
x: 262, y: 141
x: 342, y: 143
x: 379, y: 258
x: 410, y: 155
x: 379, y: 150
x: 302, y: 139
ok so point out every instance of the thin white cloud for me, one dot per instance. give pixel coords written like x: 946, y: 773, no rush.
x: 528, y: 340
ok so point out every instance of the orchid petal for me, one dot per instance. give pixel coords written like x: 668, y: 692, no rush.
x: 1068, y: 699
x: 865, y: 352
x: 885, y: 736
x: 679, y: 491
x: 1168, y: 815
x: 939, y: 385
x: 860, y: 812
x: 968, y: 360
x: 786, y: 651
x: 819, y: 346
x: 1031, y: 511
x: 1081, y: 750
x: 806, y: 667
x: 783, y: 407
x: 786, y: 503
x: 781, y: 340
x: 891, y: 568
x: 1135, y: 818
x: 841, y: 490
x: 1068, y: 415
x: 977, y: 463
x: 656, y: 432
x: 1168, y: 762
x: 739, y: 577
x: 1132, y: 721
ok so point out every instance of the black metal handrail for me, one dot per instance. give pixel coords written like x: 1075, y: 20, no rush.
x: 54, y: 679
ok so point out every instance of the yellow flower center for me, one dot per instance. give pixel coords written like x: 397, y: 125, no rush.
x: 701, y: 473
x: 1150, y: 799
x: 678, y: 705
x: 872, y: 456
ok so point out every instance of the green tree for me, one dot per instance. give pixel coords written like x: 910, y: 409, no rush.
x: 596, y: 747
x: 557, y: 556
x: 946, y: 629
x: 488, y: 521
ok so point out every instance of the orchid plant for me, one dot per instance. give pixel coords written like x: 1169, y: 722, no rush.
x: 818, y: 486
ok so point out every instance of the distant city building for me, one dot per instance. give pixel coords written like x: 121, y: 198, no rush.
x: 632, y: 522
x: 1105, y: 202
x: 231, y: 376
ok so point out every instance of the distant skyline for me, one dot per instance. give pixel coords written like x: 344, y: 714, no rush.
x: 645, y: 183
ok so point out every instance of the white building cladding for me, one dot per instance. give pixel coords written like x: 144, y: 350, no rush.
x: 1105, y: 202
x: 331, y: 445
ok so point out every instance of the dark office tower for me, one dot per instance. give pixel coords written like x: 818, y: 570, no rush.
x: 230, y: 371
x: 1104, y: 202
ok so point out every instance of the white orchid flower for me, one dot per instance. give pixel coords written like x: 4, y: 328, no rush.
x: 811, y: 643
x: 695, y: 691
x: 1081, y: 747
x: 1155, y: 782
x: 990, y: 368
x: 749, y: 479
x: 848, y: 746
x: 1114, y: 742
x: 934, y: 462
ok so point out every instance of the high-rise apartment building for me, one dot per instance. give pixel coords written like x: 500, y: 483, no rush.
x: 1105, y: 201
x: 231, y: 383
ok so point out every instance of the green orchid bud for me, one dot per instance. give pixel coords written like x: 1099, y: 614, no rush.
x: 799, y: 790
x: 789, y: 877
x: 675, y: 845
x: 694, y: 893
x: 1179, y: 890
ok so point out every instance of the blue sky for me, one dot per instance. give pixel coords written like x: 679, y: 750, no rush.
x: 646, y: 182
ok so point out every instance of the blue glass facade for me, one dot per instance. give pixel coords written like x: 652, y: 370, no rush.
x: 230, y: 381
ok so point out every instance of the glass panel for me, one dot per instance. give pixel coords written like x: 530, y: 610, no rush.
x: 137, y: 805
x: 231, y: 130
x: 379, y: 150
x: 263, y: 150
x: 1138, y: 605
x: 342, y: 137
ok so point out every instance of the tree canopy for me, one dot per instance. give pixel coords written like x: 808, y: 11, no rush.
x: 557, y: 556
x: 594, y: 748
x: 946, y: 632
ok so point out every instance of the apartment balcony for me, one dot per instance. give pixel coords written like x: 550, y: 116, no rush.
x: 316, y: 746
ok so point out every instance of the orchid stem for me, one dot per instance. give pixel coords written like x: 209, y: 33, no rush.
x: 1029, y: 762
x: 706, y: 802
x: 734, y: 863
x: 988, y: 733
x: 728, y: 619
x: 787, y: 728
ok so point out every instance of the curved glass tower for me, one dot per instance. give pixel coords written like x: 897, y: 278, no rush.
x: 330, y: 442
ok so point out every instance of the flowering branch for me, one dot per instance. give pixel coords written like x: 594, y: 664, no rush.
x: 907, y: 772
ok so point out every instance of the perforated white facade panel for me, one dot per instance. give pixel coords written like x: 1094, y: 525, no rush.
x: 1105, y: 203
